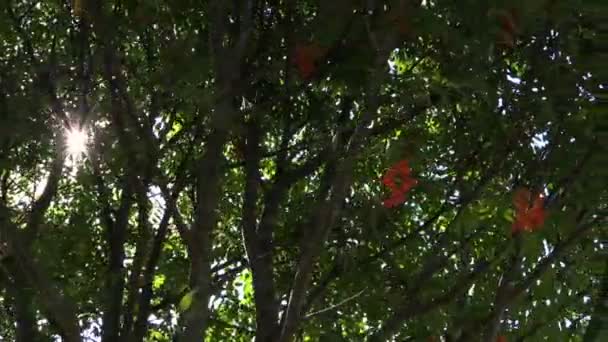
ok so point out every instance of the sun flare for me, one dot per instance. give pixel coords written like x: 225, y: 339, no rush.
x: 76, y: 141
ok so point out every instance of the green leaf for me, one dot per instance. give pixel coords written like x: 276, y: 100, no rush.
x: 186, y: 301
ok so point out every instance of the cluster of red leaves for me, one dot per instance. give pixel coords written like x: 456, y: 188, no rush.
x: 509, y: 27
x: 529, y: 207
x: 306, y: 57
x: 529, y: 210
x: 398, y: 179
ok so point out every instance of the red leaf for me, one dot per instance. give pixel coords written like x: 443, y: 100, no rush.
x: 507, y: 21
x: 306, y: 58
x: 398, y: 179
x: 529, y: 211
x: 395, y: 199
x: 521, y: 199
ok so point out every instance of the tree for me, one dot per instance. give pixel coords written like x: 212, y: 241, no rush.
x: 302, y: 170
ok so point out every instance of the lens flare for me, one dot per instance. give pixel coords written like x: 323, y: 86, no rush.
x: 76, y: 142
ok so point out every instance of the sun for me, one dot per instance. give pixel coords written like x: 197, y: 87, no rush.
x: 76, y: 141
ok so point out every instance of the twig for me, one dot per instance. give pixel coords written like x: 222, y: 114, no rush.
x: 329, y: 308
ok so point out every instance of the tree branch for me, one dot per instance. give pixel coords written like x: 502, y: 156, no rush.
x: 115, y: 278
x: 60, y: 310
x: 334, y: 306
x: 142, y: 249
x: 432, y: 264
x: 339, y: 178
x: 599, y: 323
x: 258, y: 243
x: 538, y: 324
x: 515, y: 290
x: 41, y: 205
x: 22, y: 294
x: 413, y: 307
x: 44, y: 75
x: 337, y: 271
x: 500, y: 300
x: 145, y: 297
x: 559, y: 250
x: 144, y: 307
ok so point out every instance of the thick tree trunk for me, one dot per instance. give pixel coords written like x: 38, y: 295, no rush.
x: 258, y: 242
x: 59, y: 309
x: 23, y: 304
x: 115, y: 281
x: 26, y: 316
x: 194, y: 319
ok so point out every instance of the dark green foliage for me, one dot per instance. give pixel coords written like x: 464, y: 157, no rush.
x: 223, y: 197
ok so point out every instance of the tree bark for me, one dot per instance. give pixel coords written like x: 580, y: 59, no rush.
x: 23, y: 303
x: 195, y: 318
x: 258, y: 242
x: 59, y: 309
x: 115, y: 278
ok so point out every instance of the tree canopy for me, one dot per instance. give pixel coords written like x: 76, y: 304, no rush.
x: 272, y: 170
